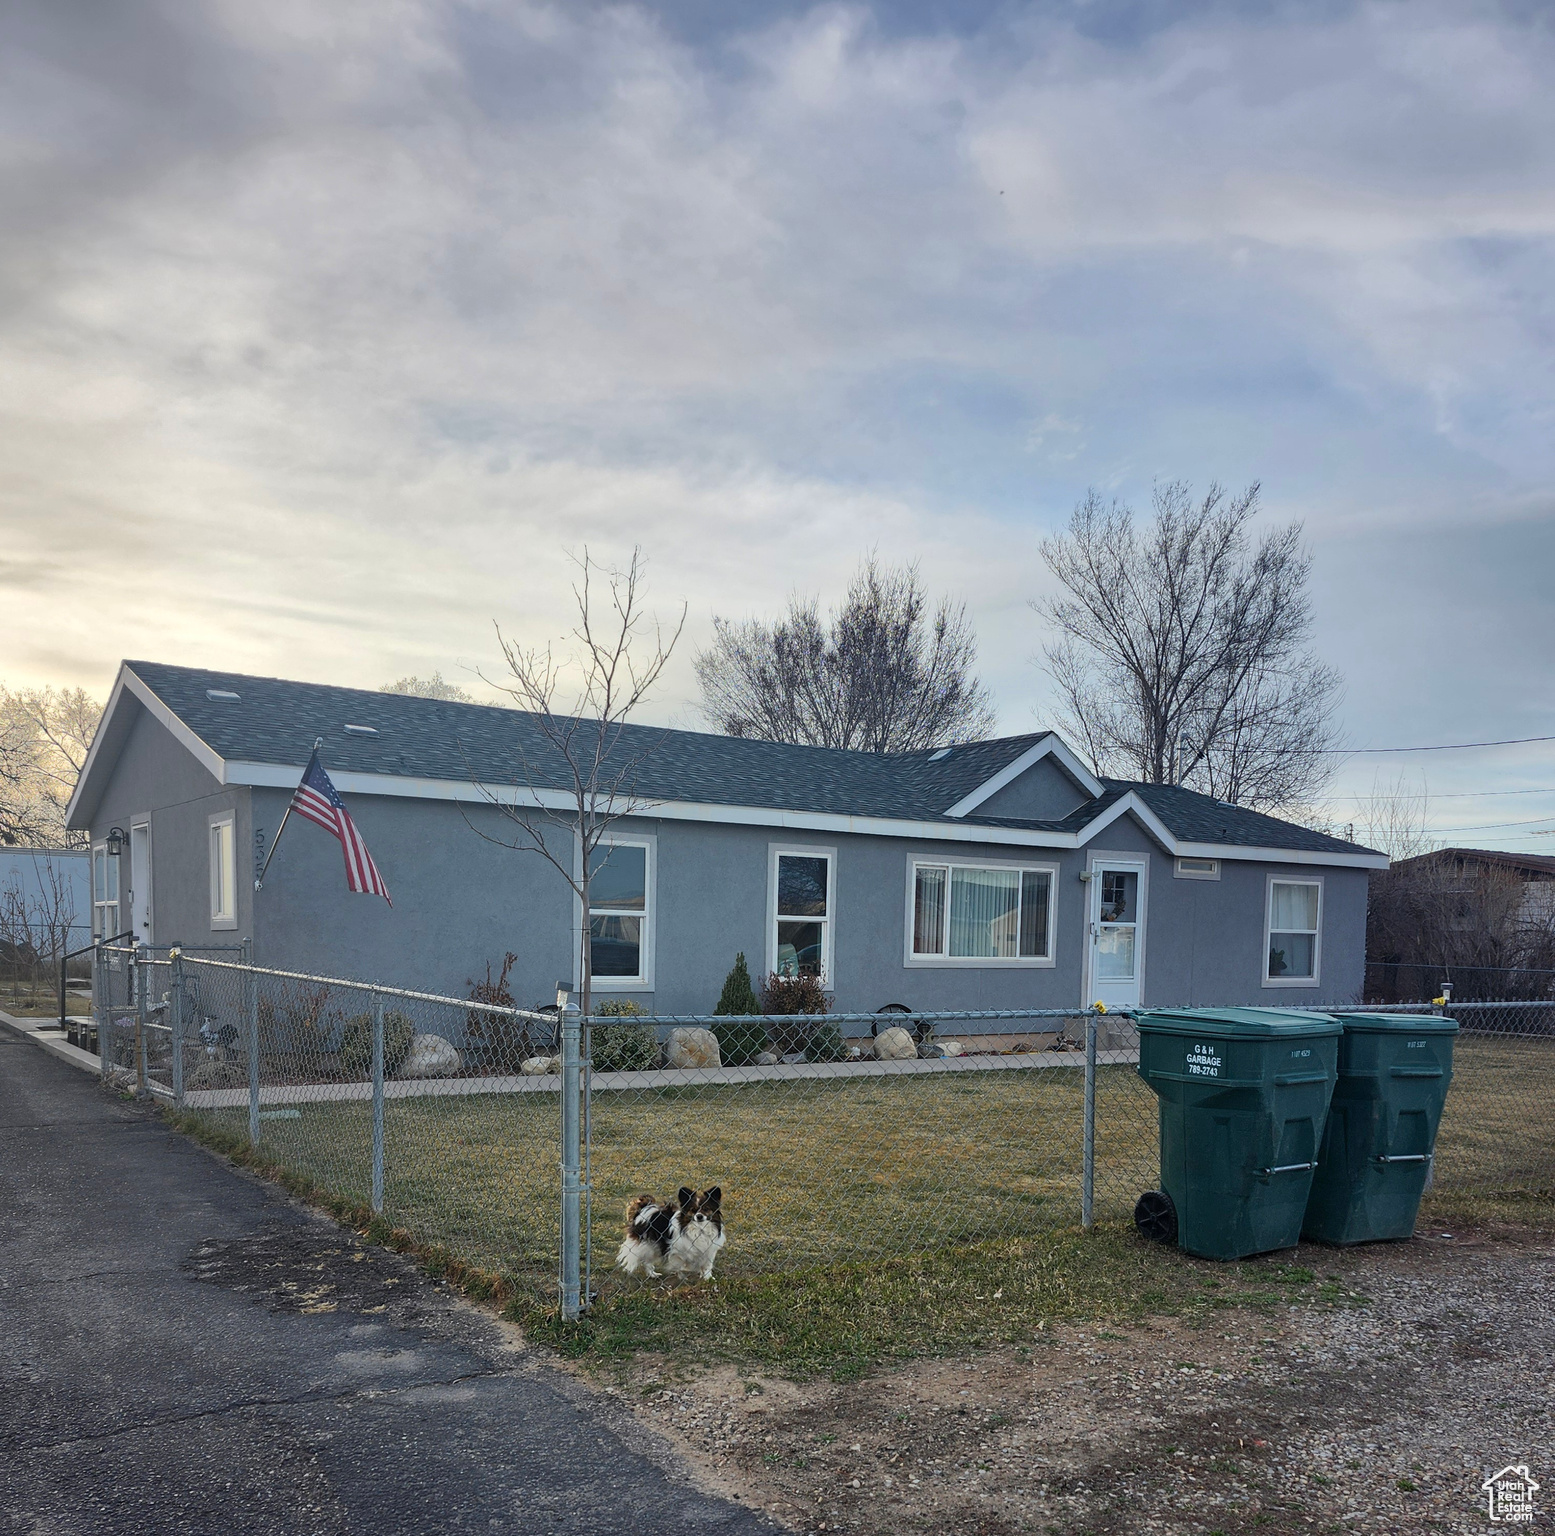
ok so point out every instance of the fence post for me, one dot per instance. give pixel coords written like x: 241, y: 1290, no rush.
x: 377, y: 1106
x: 572, y: 1040
x: 176, y: 1019
x: 253, y: 1057
x: 1088, y: 1140
x: 140, y: 964
x: 100, y: 1008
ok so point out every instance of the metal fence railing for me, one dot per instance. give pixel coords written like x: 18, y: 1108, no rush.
x: 500, y: 1133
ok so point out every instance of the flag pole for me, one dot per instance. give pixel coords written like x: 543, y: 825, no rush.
x: 275, y: 842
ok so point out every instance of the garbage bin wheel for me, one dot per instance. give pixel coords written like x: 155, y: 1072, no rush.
x: 1155, y: 1216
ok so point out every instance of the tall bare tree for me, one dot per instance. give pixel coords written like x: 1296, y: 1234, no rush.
x: 617, y: 655
x: 434, y: 687
x: 45, y: 734
x: 1181, y: 652
x: 883, y: 673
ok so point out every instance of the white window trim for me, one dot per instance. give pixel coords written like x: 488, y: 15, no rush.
x: 828, y: 924
x: 222, y: 819
x: 1316, y: 978
x: 978, y: 962
x: 643, y: 982
x: 1196, y: 874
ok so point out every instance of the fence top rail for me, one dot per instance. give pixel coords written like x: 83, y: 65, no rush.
x: 376, y: 988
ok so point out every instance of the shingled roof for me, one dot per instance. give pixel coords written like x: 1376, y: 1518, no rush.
x: 275, y: 722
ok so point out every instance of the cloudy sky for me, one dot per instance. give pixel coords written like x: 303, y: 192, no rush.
x: 327, y: 329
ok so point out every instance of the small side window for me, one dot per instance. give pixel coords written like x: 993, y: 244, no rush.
x: 224, y: 875
x: 1198, y: 869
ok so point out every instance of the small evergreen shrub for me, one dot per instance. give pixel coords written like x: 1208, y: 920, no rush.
x: 356, y: 1044
x: 743, y: 1038
x: 627, y: 1046
x: 825, y: 1043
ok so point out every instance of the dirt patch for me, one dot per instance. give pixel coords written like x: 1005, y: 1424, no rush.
x: 1382, y: 1413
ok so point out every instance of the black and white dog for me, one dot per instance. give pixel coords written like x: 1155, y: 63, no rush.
x: 673, y: 1239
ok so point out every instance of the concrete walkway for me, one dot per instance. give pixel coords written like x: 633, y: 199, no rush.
x: 183, y: 1350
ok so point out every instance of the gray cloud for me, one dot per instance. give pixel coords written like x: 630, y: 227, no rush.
x: 332, y: 326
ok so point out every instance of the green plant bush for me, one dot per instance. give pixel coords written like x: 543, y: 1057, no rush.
x: 356, y: 1043
x: 825, y: 1043
x: 629, y: 1047
x: 743, y: 1038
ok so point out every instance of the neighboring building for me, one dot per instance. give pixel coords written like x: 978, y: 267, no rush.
x: 49, y: 891
x: 1462, y: 867
x: 998, y: 874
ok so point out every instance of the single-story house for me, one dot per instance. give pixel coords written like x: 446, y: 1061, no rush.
x: 991, y: 874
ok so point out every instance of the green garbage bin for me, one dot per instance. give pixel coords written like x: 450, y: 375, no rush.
x: 1394, y: 1071
x: 1243, y: 1096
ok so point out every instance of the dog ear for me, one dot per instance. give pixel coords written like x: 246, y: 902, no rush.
x: 688, y: 1196
x: 712, y: 1199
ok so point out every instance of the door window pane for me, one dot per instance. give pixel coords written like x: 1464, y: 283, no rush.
x: 615, y: 945
x: 618, y: 878
x: 801, y: 886
x: 1119, y: 895
x: 800, y: 948
x: 983, y: 907
x: 1115, y: 954
x: 928, y: 913
x: 1035, y: 887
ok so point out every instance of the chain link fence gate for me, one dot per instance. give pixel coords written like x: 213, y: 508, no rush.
x: 498, y: 1133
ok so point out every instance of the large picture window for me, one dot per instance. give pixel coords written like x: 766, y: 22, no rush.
x: 802, y: 912
x: 1295, y: 919
x: 619, y: 879
x: 973, y: 912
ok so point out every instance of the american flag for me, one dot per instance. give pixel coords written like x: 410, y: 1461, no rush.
x: 320, y: 802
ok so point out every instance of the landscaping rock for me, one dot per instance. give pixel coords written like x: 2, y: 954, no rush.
x: 541, y: 1066
x: 430, y: 1056
x: 895, y: 1045
x: 692, y: 1048
x: 952, y: 1048
x: 767, y: 1059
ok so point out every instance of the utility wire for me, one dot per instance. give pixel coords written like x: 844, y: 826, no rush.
x: 1449, y: 746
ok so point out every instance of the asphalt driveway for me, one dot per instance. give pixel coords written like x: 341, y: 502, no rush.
x: 184, y: 1350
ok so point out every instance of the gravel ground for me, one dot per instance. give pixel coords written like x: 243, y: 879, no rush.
x: 1383, y: 1408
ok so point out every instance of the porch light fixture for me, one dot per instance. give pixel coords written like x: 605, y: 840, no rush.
x: 116, y: 839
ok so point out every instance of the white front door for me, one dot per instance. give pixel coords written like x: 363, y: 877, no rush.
x: 1117, y: 932
x: 140, y: 882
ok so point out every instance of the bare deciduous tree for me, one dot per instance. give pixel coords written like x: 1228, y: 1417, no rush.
x: 881, y: 674
x: 45, y: 734
x: 434, y: 687
x: 618, y: 655
x: 1181, y: 653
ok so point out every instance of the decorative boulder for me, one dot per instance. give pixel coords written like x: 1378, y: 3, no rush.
x: 430, y: 1056
x: 895, y: 1045
x: 767, y: 1059
x: 692, y: 1048
x: 541, y: 1066
x: 952, y: 1048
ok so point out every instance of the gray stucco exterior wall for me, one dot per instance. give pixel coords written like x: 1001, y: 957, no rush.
x: 1044, y: 792
x: 461, y: 901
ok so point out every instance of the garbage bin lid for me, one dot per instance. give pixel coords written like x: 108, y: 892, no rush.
x: 1402, y: 1023
x: 1246, y: 1023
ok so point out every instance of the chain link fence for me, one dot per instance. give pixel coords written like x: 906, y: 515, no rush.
x: 514, y: 1138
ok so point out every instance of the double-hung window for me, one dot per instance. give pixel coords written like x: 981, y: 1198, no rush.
x: 619, y: 881
x: 802, y: 899
x: 224, y: 872
x: 1294, y: 928
x: 1000, y: 913
x: 105, y: 893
